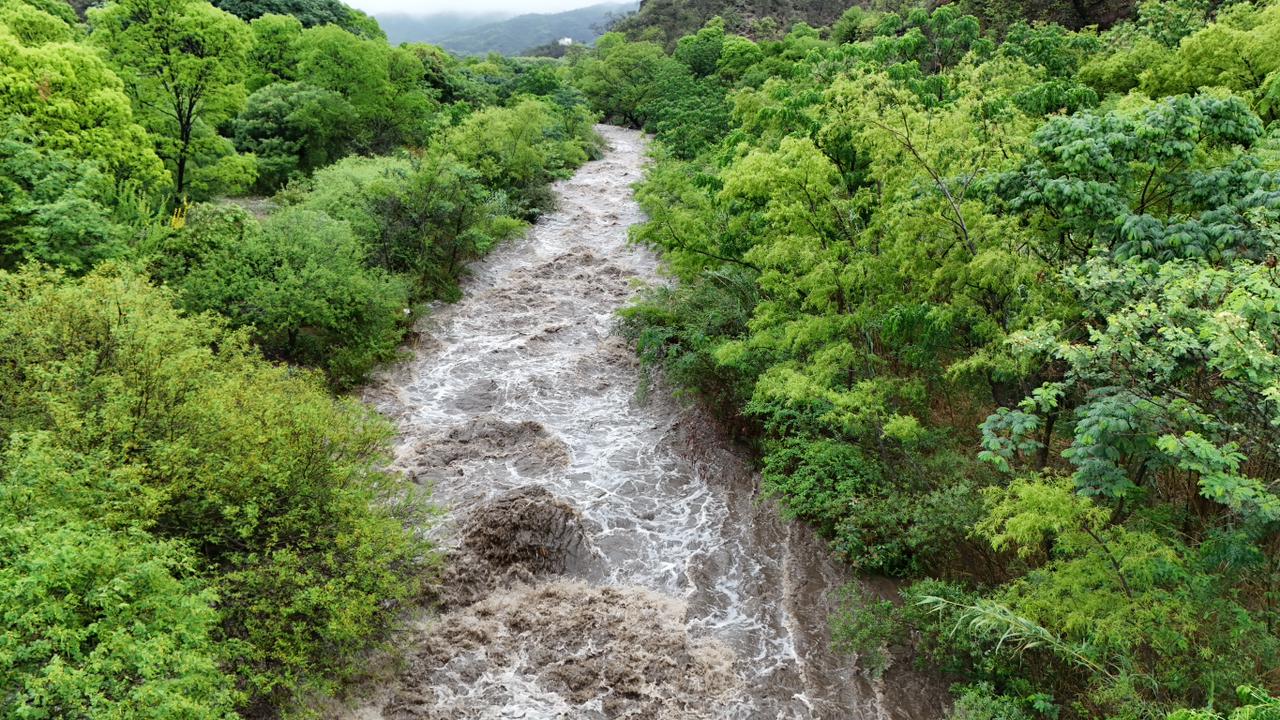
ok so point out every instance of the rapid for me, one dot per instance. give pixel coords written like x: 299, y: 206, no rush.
x: 609, y: 553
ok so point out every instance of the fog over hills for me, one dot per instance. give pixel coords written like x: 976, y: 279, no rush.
x: 481, y: 33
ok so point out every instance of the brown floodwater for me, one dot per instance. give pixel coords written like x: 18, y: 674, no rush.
x: 610, y: 555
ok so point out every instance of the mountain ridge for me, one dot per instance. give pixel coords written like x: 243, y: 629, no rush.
x: 510, y: 35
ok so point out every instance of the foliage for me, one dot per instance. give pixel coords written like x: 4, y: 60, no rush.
x: 181, y: 63
x: 293, y: 129
x: 669, y: 20
x: 991, y: 324
x: 79, y: 105
x: 862, y: 626
x: 298, y: 280
x: 1255, y: 704
x: 519, y: 149
x: 99, y: 623
x: 308, y: 12
x: 424, y: 218
x: 231, y: 482
x: 55, y: 209
x: 618, y: 78
x: 383, y: 85
x: 274, y: 55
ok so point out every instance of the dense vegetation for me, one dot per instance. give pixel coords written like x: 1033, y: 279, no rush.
x: 995, y: 301
x: 999, y: 311
x: 192, y: 525
x: 666, y: 21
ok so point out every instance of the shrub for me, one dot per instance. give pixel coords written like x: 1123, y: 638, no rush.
x: 184, y: 471
x: 298, y: 279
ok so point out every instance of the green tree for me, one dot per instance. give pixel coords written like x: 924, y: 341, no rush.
x: 100, y: 622
x: 293, y: 129
x: 55, y: 209
x: 383, y: 85
x: 38, y: 22
x: 183, y: 64
x: 274, y: 55
x: 79, y: 105
x: 518, y: 149
x: 620, y: 78
x: 701, y: 52
x: 892, y: 239
x: 308, y: 12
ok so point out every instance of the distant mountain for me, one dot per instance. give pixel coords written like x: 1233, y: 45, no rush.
x: 433, y: 28
x: 670, y: 19
x: 479, y: 34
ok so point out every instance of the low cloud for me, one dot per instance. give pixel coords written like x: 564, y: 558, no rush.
x: 430, y: 7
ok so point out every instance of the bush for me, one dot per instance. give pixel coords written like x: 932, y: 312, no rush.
x: 518, y: 150
x: 179, y: 469
x: 865, y: 625
x: 298, y: 279
x: 99, y: 622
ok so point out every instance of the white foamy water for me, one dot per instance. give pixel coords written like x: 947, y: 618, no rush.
x: 699, y: 602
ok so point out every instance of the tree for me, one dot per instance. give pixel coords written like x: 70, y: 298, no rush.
x: 518, y: 149
x: 439, y: 218
x: 892, y: 239
x: 384, y: 86
x: 101, y: 622
x: 1232, y: 53
x: 293, y: 129
x: 620, y: 79
x: 308, y: 12
x: 183, y: 64
x: 1173, y: 180
x: 701, y: 52
x: 275, y: 50
x: 78, y: 104
x: 53, y: 208
x: 37, y: 22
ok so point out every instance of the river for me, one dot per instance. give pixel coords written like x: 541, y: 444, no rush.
x: 611, y: 555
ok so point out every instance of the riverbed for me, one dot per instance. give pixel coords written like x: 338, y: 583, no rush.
x: 611, y: 556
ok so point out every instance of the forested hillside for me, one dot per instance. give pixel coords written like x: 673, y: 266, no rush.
x: 999, y: 314
x: 431, y: 28
x: 191, y: 524
x: 666, y: 21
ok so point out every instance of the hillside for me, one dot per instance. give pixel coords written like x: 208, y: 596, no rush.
x: 674, y: 18
x: 478, y: 35
x: 433, y: 28
x: 668, y: 20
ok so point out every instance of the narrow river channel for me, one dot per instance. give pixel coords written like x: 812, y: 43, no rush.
x: 611, y: 555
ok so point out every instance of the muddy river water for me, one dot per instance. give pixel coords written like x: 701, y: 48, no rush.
x: 611, y: 555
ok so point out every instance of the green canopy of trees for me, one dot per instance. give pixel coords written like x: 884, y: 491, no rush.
x: 192, y: 525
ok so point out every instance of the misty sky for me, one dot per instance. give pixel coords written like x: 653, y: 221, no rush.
x: 427, y: 7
